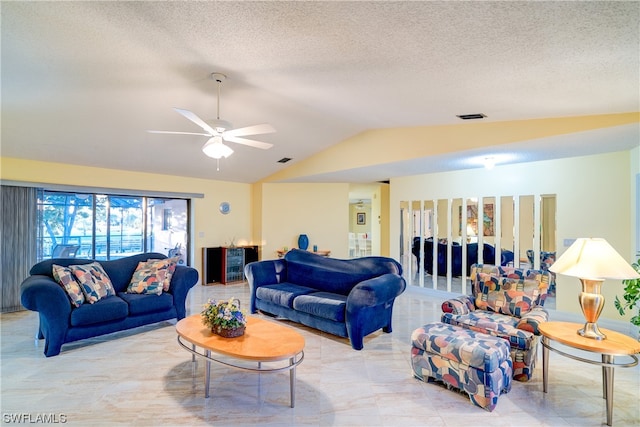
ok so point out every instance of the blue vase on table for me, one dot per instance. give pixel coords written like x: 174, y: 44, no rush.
x: 303, y: 242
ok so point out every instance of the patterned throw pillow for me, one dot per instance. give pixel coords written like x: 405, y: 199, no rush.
x: 94, y: 281
x: 64, y: 276
x: 505, y: 295
x: 165, y: 269
x: 145, y: 280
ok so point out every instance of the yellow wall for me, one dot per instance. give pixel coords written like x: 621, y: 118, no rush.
x: 596, y: 197
x: 372, y: 147
x: 211, y: 228
x: 270, y: 215
x: 353, y: 223
x: 592, y: 201
x: 321, y: 211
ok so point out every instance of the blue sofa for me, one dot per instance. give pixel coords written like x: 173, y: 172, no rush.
x: 61, y: 322
x: 488, y: 255
x: 348, y: 298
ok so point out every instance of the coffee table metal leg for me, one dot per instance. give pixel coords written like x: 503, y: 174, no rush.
x: 207, y: 374
x: 607, y: 379
x: 292, y: 381
x: 545, y: 363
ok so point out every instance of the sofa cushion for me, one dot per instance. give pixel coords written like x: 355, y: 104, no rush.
x: 322, y: 304
x: 145, y: 280
x: 107, y: 309
x: 163, y: 270
x: 94, y: 281
x: 495, y: 324
x: 120, y: 270
x: 142, y: 304
x: 282, y: 293
x: 324, y: 278
x: 505, y: 295
x: 335, y: 275
x: 542, y: 277
x: 65, y: 278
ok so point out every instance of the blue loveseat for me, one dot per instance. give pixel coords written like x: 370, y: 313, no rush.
x: 348, y: 298
x: 61, y: 322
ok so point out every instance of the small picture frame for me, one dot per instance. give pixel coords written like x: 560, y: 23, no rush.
x: 361, y: 218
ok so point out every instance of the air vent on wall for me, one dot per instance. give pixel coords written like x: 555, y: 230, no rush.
x: 471, y: 116
x: 284, y: 160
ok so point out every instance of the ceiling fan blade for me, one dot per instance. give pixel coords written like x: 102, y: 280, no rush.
x: 197, y: 120
x: 249, y: 142
x: 251, y: 130
x: 178, y: 133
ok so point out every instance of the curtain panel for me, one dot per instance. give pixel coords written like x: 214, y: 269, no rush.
x: 18, y: 241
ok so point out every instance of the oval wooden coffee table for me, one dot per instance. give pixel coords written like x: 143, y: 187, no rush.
x: 263, y: 341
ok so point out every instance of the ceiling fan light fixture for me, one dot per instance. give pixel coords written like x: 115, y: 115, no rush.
x: 216, y: 149
x: 489, y: 163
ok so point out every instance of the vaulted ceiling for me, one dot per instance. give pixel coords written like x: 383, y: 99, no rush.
x: 82, y: 82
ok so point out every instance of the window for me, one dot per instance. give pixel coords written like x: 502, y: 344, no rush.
x: 107, y: 227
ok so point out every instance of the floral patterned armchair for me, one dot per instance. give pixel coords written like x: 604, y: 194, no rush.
x: 506, y: 302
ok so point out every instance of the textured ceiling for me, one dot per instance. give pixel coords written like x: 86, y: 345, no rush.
x: 83, y: 81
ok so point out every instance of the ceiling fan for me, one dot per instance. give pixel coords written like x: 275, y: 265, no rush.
x: 220, y: 130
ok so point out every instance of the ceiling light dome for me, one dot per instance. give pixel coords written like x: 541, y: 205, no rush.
x: 489, y: 163
x: 216, y: 149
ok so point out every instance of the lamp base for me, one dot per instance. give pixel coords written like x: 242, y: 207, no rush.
x: 590, y: 330
x: 591, y: 301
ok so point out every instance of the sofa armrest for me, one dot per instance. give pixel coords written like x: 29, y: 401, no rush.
x: 261, y: 273
x: 43, y: 294
x: 461, y: 305
x: 370, y: 306
x: 532, y: 319
x: 184, y: 278
x: 375, y: 291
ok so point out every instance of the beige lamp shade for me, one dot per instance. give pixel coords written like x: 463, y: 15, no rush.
x: 593, y: 258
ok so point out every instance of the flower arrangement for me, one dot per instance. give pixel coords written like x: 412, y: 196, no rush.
x: 224, y: 316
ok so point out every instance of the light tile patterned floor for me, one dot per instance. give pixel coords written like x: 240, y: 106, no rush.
x: 144, y: 378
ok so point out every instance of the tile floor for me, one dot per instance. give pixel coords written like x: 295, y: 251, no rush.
x: 144, y: 378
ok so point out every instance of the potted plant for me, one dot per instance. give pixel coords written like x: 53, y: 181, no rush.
x: 631, y: 296
x: 225, y: 318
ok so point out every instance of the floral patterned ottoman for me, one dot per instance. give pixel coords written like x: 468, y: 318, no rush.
x: 476, y: 363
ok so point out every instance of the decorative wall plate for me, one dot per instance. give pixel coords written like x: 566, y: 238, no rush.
x: 225, y: 208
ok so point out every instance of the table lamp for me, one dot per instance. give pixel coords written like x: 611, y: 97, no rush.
x: 592, y: 260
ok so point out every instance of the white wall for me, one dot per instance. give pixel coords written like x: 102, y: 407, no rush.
x: 592, y: 201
